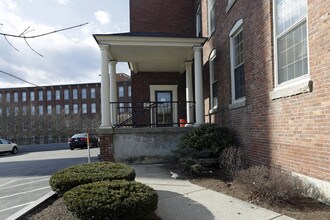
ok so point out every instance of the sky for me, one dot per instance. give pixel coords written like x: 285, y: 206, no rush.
x: 70, y: 56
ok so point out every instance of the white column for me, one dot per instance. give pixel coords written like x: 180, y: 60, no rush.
x: 198, y: 86
x: 189, y: 93
x: 113, y: 92
x: 105, y: 86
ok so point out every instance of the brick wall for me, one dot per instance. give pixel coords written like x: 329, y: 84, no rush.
x: 170, y: 16
x: 291, y: 132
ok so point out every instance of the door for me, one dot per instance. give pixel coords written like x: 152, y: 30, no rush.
x: 164, y: 109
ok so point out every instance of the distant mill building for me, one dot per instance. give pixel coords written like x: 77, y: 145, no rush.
x: 51, y: 114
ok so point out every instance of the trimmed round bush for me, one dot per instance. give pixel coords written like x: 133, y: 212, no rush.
x: 71, y: 177
x: 118, y: 199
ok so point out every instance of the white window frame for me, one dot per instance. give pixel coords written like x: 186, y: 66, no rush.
x: 237, y: 28
x: 75, y: 94
x: 93, y: 93
x: 57, y: 94
x: 66, y: 94
x: 49, y: 95
x: 40, y: 95
x: 15, y: 96
x: 32, y: 96
x: 75, y: 109
x: 84, y: 108
x: 93, y: 108
x: 84, y: 93
x: 66, y: 109
x: 210, y: 9
x: 49, y: 110
x: 58, y: 109
x: 213, y: 103
x: 296, y: 85
x: 23, y: 96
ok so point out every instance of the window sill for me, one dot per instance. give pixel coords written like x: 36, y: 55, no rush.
x: 237, y: 104
x: 230, y: 5
x: 302, y: 86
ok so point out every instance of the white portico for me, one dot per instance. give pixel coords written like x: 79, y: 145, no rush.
x: 146, y: 52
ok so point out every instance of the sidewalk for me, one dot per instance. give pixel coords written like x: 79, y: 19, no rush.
x: 180, y: 199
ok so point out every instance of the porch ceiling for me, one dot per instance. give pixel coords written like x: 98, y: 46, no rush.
x: 150, y: 53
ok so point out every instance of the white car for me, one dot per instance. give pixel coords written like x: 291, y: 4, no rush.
x: 8, y: 146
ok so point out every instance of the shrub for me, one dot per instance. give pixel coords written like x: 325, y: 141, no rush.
x: 275, y: 185
x: 207, y: 137
x: 198, y: 151
x: 117, y: 199
x: 71, y: 177
x: 232, y: 159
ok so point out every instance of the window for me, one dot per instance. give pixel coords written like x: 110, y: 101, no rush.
x: 213, y: 82
x: 8, y: 96
x: 230, y: 3
x: 129, y: 91
x: 32, y: 96
x: 237, y: 62
x: 83, y: 93
x: 120, y: 91
x: 24, y: 110
x: 57, y: 94
x: 40, y: 95
x: 49, y: 95
x: 291, y: 40
x: 0, y: 112
x: 121, y: 107
x: 93, y: 93
x: 93, y: 108
x: 66, y: 109
x: 211, y: 16
x: 84, y: 108
x: 49, y: 109
x: 75, y: 93
x: 75, y: 109
x: 58, y: 109
x: 41, y: 110
x: 23, y: 96
x: 198, y: 21
x: 15, y: 110
x: 7, y: 111
x: 33, y: 110
x: 0, y: 97
x: 15, y: 96
x: 66, y: 94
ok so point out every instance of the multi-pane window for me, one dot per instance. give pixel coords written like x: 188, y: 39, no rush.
x: 237, y: 62
x: 92, y: 93
x: 198, y: 21
x: 32, y: 96
x: 129, y: 91
x: 33, y: 110
x: 120, y: 91
x: 75, y: 93
x: 93, y: 108
x: 24, y: 96
x: 83, y: 93
x: 41, y: 110
x: 75, y: 108
x: 49, y: 109
x: 24, y: 110
x: 66, y: 109
x: 8, y: 96
x: 211, y: 16
x: 15, y: 96
x: 66, y: 94
x: 121, y: 107
x: 40, y: 95
x: 57, y: 94
x: 58, y: 109
x: 49, y: 95
x: 84, y: 108
x: 291, y: 39
x: 213, y: 81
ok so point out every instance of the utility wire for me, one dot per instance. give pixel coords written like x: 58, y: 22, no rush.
x: 16, y: 77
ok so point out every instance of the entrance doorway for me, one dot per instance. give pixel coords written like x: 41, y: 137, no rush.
x: 164, y: 108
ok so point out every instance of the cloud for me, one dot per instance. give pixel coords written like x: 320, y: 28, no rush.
x: 63, y: 2
x: 102, y: 16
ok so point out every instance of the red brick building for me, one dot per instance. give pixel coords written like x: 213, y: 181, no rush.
x: 259, y: 67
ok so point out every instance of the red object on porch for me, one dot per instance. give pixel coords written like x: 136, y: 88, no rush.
x: 182, y: 122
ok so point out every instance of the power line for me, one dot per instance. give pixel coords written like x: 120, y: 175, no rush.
x: 16, y: 77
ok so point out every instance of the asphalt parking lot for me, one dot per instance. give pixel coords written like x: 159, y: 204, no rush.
x: 24, y: 177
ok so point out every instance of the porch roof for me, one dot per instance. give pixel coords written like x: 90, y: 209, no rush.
x: 150, y: 52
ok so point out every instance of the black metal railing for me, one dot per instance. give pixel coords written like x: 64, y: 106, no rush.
x: 150, y: 114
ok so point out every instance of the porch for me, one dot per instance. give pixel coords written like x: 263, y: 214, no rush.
x: 157, y: 104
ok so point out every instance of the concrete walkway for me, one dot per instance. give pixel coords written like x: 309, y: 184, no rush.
x: 179, y: 199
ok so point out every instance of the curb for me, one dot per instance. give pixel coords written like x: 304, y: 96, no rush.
x: 28, y: 208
